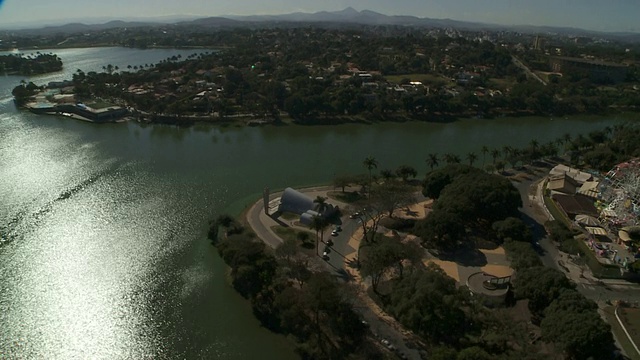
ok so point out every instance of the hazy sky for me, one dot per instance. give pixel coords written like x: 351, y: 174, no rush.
x: 607, y: 15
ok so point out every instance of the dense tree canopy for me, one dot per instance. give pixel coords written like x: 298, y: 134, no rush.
x: 541, y: 285
x: 480, y: 197
x: 572, y: 322
x: 391, y: 195
x: 428, y: 302
x: 436, y: 180
x: 385, y: 253
x: 521, y: 255
x: 511, y: 228
x: 442, y: 229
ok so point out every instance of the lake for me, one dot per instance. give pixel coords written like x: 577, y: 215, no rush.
x: 103, y: 250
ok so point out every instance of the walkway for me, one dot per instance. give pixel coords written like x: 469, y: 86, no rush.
x: 344, y: 250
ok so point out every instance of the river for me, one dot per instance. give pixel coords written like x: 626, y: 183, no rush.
x: 103, y: 250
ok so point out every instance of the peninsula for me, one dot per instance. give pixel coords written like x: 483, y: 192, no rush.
x: 33, y: 64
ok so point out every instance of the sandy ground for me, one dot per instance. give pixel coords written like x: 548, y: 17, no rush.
x: 497, y: 270
x: 497, y: 266
x: 414, y: 211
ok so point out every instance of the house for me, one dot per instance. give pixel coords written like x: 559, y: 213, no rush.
x: 563, y: 184
x: 580, y: 176
x: 574, y: 205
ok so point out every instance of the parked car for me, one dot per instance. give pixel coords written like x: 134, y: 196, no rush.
x: 325, y: 256
x: 356, y: 214
x: 338, y: 228
x: 329, y: 242
x: 334, y: 233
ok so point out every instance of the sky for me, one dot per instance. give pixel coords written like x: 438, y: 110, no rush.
x: 601, y: 15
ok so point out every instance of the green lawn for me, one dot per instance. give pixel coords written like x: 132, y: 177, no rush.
x: 619, y: 333
x: 502, y: 83
x: 287, y: 233
x: 290, y: 216
x: 631, y: 320
x: 99, y: 104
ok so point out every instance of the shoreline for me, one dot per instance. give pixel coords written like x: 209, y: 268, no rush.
x: 286, y: 120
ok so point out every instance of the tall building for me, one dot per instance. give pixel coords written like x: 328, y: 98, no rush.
x: 538, y: 43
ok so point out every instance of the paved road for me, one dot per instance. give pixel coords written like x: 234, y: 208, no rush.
x: 594, y: 289
x: 524, y: 67
x: 256, y: 218
x: 382, y: 327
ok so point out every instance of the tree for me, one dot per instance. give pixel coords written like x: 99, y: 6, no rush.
x: 406, y: 171
x: 506, y: 152
x: 252, y: 269
x: 391, y: 195
x: 511, y: 228
x: 22, y: 93
x: 370, y: 163
x: 428, y: 302
x: 573, y: 323
x: 534, y: 147
x: 376, y: 259
x: 479, y: 197
x: 287, y: 250
x: 342, y: 181
x: 442, y: 230
x: 432, y: 161
x: 471, y: 157
x: 474, y: 353
x: 319, y: 224
x: 387, y: 174
x: 437, y: 180
x: 484, y: 151
x: 321, y: 204
x: 451, y: 159
x: 541, y: 285
x: 495, y: 154
x: 443, y: 353
x: 521, y: 255
x: 567, y: 139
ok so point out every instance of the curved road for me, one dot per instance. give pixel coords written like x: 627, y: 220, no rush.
x: 382, y: 327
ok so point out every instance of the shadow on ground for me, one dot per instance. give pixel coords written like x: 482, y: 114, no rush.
x: 467, y: 257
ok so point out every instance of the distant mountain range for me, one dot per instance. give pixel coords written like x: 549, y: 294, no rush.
x: 346, y: 16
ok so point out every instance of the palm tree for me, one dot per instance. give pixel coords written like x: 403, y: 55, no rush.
x: 322, y: 204
x: 559, y: 141
x: 484, y: 151
x: 471, y: 157
x: 370, y: 163
x: 534, y: 145
x: 318, y: 223
x: 432, y: 161
x: 506, y: 151
x: 451, y: 159
x: 495, y: 153
x: 580, y: 142
x: 552, y: 149
x: 515, y: 157
x: 566, y: 138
